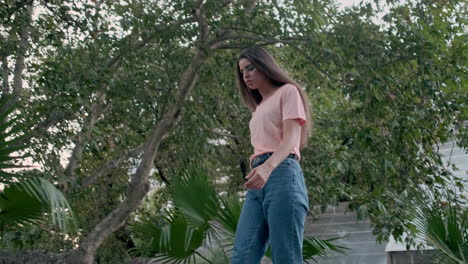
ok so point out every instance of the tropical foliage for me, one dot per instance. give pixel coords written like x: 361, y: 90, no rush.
x: 26, y: 199
x: 125, y: 93
x: 443, y: 226
x: 200, y: 225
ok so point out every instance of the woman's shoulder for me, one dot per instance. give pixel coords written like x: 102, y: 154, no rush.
x: 288, y: 88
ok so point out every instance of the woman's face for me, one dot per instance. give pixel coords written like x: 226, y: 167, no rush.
x: 253, y: 78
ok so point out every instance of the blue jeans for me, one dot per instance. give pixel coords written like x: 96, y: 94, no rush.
x: 273, y: 215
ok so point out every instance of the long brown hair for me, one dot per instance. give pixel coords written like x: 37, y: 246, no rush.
x: 264, y: 62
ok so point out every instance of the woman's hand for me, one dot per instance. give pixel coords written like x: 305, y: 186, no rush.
x: 258, y: 177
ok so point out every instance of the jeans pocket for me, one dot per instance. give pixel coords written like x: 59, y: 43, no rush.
x: 282, y: 177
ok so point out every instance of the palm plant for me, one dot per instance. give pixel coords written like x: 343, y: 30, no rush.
x: 26, y: 199
x: 201, y: 225
x: 445, y: 227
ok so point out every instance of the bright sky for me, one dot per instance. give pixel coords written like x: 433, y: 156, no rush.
x: 349, y: 3
x: 346, y: 3
x: 378, y: 19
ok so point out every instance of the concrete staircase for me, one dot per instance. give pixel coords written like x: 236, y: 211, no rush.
x: 458, y: 156
x: 355, y: 235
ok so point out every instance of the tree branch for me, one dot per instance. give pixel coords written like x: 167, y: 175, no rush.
x: 114, y: 61
x: 5, y: 74
x: 225, y: 33
x: 257, y: 40
x: 314, y: 62
x: 97, y: 110
x: 19, y: 65
x: 241, y: 29
x: 249, y: 9
x: 52, y: 119
x: 161, y: 175
x: 112, y: 164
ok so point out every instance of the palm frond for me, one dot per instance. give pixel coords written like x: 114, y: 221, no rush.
x: 446, y: 229
x: 7, y: 160
x: 315, y: 247
x: 34, y: 197
x: 194, y: 195
x: 230, y: 213
x: 224, y: 229
x: 26, y: 199
x: 174, y: 242
x: 213, y: 256
x: 17, y: 206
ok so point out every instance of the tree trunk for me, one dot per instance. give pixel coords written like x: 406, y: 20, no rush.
x: 19, y: 64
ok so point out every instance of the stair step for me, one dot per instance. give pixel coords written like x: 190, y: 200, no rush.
x: 357, y: 248
x: 446, y: 145
x: 333, y: 218
x: 338, y: 227
x: 337, y: 209
x: 355, y: 259
x: 355, y: 235
x: 458, y: 159
x: 359, y: 236
x: 446, y: 150
x: 414, y: 257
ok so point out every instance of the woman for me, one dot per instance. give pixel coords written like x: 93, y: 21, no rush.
x: 276, y: 202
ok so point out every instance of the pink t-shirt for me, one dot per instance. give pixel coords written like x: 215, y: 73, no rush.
x: 266, y: 124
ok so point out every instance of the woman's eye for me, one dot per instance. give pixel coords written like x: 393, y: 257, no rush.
x: 250, y: 67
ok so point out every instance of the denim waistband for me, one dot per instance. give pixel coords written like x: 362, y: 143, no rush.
x: 263, y: 157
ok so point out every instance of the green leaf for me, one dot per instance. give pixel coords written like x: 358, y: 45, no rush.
x: 445, y: 228
x: 17, y: 206
x: 229, y: 215
x: 37, y: 191
x: 194, y: 195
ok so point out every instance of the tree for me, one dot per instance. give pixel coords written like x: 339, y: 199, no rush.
x: 109, y: 81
